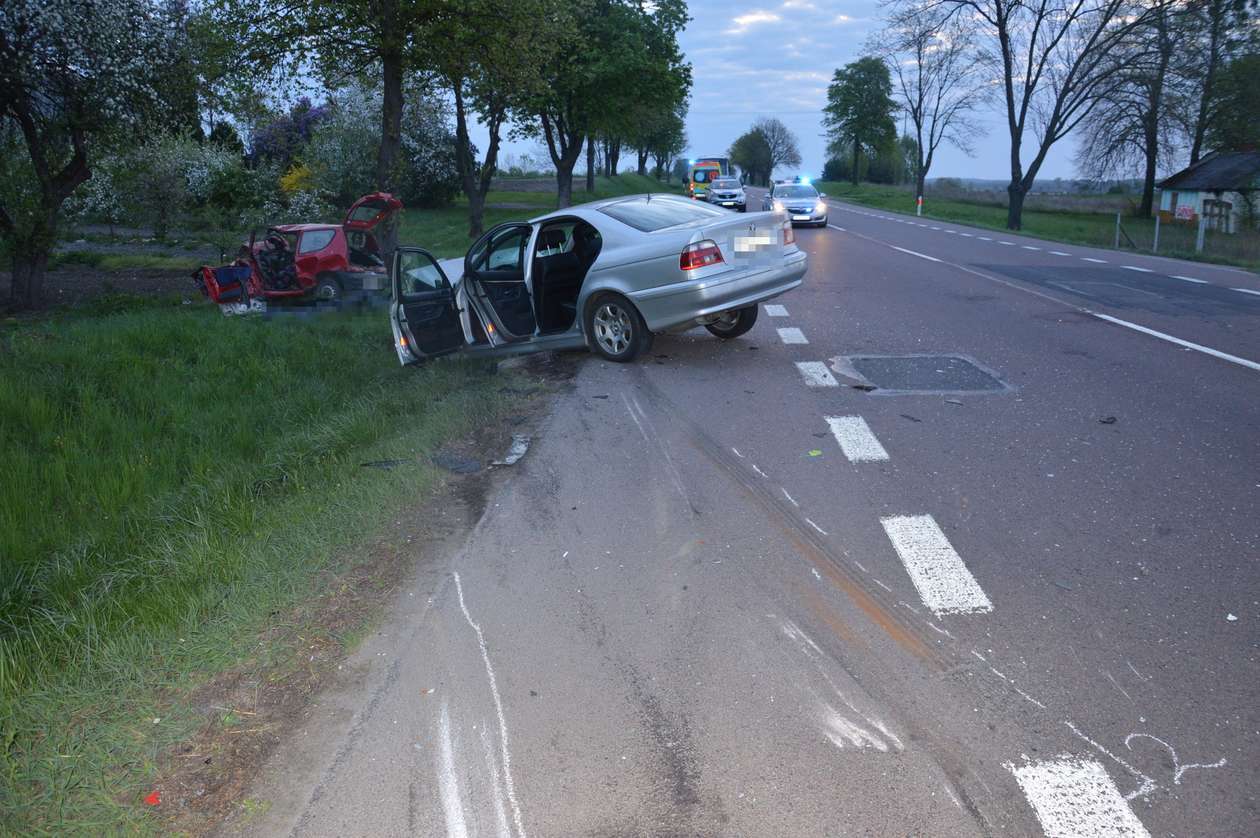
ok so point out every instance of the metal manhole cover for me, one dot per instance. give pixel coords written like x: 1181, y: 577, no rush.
x: 906, y: 374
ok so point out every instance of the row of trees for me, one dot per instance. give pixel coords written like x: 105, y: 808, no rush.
x: 80, y: 79
x: 1142, y: 81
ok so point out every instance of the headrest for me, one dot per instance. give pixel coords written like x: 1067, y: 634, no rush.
x: 550, y: 239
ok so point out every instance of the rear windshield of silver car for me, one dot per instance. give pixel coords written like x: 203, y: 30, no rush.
x: 726, y: 184
x: 650, y: 215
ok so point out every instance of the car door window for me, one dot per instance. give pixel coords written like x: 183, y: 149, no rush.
x: 315, y: 240
x: 507, y: 252
x: 419, y: 274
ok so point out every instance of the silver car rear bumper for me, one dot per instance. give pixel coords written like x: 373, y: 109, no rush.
x: 683, y: 302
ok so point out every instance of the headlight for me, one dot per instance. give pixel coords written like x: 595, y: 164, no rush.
x: 820, y: 207
x: 778, y: 206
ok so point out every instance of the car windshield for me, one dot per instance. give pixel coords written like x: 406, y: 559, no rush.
x: 796, y: 192
x: 726, y: 184
x: 647, y: 214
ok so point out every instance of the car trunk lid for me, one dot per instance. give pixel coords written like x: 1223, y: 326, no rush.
x: 370, y: 210
x: 755, y: 237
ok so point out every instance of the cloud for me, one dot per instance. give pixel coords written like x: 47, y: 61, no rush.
x: 747, y: 21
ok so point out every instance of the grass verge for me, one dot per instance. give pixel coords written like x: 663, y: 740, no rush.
x: 174, y: 479
x: 1091, y: 229
x: 123, y: 261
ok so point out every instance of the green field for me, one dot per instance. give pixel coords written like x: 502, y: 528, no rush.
x: 1094, y: 229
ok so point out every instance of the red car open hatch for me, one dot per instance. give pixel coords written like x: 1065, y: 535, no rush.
x: 371, y: 210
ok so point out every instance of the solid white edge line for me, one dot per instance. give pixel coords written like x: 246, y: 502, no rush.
x: 1206, y: 350
x: 816, y: 374
x: 939, y: 574
x: 448, y: 779
x: 1248, y: 291
x: 1075, y: 797
x: 915, y: 253
x: 856, y: 439
x: 792, y: 335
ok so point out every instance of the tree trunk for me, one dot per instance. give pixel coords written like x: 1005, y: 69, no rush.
x: 29, y: 264
x: 919, y: 184
x: 1015, y: 207
x: 564, y: 186
x: 391, y: 136
x: 614, y: 157
x: 590, y: 164
x: 643, y: 161
x: 1148, y: 177
x: 857, y: 152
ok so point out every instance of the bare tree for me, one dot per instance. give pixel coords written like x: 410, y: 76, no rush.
x: 784, y: 150
x: 938, y: 77
x: 1129, y: 132
x: 1054, y: 60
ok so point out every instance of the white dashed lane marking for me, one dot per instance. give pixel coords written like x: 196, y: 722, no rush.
x: 1008, y: 244
x: 791, y: 334
x: 1075, y: 798
x: 915, y: 253
x: 1136, y: 268
x: 1029, y: 247
x: 1059, y: 253
x: 1190, y: 279
x: 856, y: 439
x: 944, y: 583
x: 816, y: 374
x: 1248, y: 291
x: 776, y: 311
x: 1095, y: 261
x: 985, y: 239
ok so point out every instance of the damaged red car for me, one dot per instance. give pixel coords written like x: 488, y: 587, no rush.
x: 322, y: 262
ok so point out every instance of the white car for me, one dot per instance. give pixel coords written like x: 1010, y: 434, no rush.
x: 727, y: 192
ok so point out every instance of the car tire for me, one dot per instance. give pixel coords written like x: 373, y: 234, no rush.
x: 329, y: 290
x: 735, y: 322
x: 743, y: 208
x: 615, y: 329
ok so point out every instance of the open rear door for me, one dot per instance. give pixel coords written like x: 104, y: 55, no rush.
x: 422, y: 311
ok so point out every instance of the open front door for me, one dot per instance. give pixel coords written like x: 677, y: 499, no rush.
x: 494, y: 271
x: 422, y: 308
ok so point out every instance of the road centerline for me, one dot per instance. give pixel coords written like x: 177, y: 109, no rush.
x: 856, y: 439
x: 943, y: 581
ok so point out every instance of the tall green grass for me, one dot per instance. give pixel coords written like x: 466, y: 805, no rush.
x: 170, y: 478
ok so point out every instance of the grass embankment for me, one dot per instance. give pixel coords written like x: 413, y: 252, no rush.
x: 1093, y: 229
x: 172, y: 480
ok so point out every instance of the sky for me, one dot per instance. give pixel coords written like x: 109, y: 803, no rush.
x: 775, y: 58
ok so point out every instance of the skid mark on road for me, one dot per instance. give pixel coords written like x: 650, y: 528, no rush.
x: 1075, y: 798
x: 856, y: 439
x: 943, y: 581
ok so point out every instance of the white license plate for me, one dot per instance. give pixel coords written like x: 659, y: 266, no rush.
x: 728, y: 203
x: 800, y: 218
x: 751, y: 244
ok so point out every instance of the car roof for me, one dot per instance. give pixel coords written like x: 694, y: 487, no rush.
x: 588, y: 210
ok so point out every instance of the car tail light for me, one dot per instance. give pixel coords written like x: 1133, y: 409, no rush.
x: 699, y: 255
x: 789, y: 235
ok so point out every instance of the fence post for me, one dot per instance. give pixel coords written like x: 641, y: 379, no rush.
x: 1155, y: 245
x: 1117, y: 244
x: 1198, y: 242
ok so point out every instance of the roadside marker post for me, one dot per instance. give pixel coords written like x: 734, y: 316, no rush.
x: 918, y: 206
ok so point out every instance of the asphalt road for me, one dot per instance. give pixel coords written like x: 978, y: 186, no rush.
x: 729, y: 593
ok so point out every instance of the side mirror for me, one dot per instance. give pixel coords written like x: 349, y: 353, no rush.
x: 822, y: 194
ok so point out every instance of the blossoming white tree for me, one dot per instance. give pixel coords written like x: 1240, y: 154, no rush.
x: 71, y: 73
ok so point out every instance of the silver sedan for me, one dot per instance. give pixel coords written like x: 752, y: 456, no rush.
x: 605, y: 275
